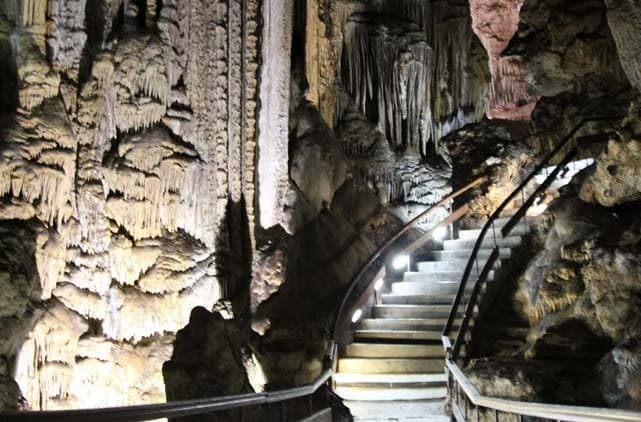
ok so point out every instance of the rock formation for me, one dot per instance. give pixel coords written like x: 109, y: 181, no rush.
x: 188, y: 187
x: 575, y: 294
x: 424, y: 69
x: 563, y: 42
x: 116, y: 168
x: 495, y: 22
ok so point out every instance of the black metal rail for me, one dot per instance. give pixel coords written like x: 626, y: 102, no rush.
x: 566, y: 143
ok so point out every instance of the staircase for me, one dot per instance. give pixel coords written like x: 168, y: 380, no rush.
x: 394, y: 368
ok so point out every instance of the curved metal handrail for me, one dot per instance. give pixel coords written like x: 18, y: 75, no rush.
x: 173, y: 409
x: 340, y: 314
x: 490, y: 223
x: 553, y: 412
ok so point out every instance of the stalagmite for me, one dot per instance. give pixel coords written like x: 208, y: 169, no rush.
x: 384, y: 64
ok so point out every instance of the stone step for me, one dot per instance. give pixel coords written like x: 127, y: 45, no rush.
x: 344, y: 379
x: 411, y: 311
x: 410, y: 410
x: 440, y: 276
x: 378, y: 394
x: 426, y: 288
x: 464, y: 254
x: 391, y: 365
x: 401, y: 335
x: 403, y: 324
x: 472, y: 234
x: 501, y: 221
x: 400, y: 299
x: 453, y: 275
x: 324, y: 415
x: 508, y: 242
x: 383, y: 350
x: 449, y: 265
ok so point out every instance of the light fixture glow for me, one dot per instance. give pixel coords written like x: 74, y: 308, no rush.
x: 537, y: 210
x: 357, y: 315
x: 400, y: 262
x: 379, y: 283
x: 439, y: 233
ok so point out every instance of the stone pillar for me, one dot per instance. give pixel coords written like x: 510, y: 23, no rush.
x: 273, y: 179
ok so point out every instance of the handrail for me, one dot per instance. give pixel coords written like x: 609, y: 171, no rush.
x: 202, y: 406
x: 495, y: 215
x: 385, y: 247
x: 173, y: 409
x: 554, y: 412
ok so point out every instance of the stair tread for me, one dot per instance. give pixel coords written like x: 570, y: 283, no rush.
x: 433, y: 296
x: 396, y: 332
x: 419, y: 410
x: 391, y: 365
x: 353, y: 377
x: 418, y: 321
x: 376, y: 394
x: 465, y: 253
x: 393, y: 350
x: 456, y: 244
x: 435, y: 308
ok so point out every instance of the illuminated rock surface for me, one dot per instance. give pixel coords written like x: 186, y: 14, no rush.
x: 118, y: 165
x: 243, y: 159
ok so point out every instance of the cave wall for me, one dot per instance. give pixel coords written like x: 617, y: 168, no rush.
x: 127, y: 129
x: 564, y: 327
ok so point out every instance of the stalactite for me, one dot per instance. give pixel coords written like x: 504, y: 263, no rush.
x: 65, y: 34
x: 133, y: 315
x: 496, y: 22
x: 436, y: 58
x: 127, y: 263
x: 384, y: 64
x: 47, y: 355
x: 119, y: 154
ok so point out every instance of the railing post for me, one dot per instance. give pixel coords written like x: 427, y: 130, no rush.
x: 465, y: 403
x: 496, y: 245
x: 283, y: 411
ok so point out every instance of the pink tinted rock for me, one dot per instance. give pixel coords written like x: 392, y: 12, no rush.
x: 495, y: 22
